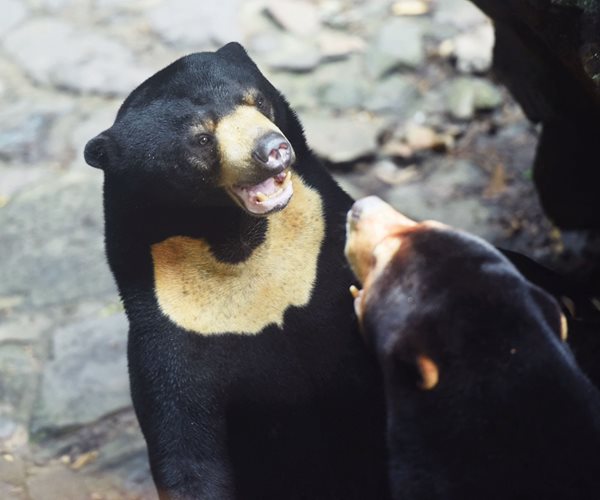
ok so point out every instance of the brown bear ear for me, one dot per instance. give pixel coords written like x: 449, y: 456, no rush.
x: 97, y: 150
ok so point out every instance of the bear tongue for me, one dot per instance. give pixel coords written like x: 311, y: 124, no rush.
x: 267, y: 187
x: 271, y: 194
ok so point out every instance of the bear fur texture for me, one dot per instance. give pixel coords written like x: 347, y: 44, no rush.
x: 484, y: 397
x: 225, y: 236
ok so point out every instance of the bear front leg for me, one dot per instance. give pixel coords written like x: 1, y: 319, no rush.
x: 189, y: 459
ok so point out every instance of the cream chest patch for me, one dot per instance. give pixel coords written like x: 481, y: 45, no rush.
x: 206, y: 296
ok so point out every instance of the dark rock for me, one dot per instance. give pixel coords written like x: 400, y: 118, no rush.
x: 86, y: 376
x: 52, y: 242
x: 24, y: 132
x: 18, y: 380
x: 449, y: 192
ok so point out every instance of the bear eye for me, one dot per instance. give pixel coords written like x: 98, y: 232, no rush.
x: 260, y: 101
x: 203, y: 139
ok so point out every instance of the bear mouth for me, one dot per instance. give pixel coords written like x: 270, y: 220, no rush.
x: 268, y: 196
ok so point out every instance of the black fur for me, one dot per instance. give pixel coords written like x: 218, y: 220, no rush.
x: 512, y: 416
x: 577, y: 303
x: 293, y: 412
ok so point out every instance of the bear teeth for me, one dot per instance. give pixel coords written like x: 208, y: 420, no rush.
x: 281, y: 180
x: 283, y: 177
x: 272, y: 194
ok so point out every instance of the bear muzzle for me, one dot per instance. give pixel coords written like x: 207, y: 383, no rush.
x: 256, y: 160
x: 268, y: 196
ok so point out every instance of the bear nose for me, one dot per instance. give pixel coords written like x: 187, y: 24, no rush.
x: 274, y: 151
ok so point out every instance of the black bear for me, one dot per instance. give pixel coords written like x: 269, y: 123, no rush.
x: 225, y: 236
x: 484, y: 398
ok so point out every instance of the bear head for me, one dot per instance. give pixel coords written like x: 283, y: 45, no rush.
x: 209, y: 129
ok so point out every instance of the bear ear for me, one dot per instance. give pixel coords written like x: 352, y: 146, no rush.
x: 233, y: 50
x: 97, y: 150
x: 429, y: 371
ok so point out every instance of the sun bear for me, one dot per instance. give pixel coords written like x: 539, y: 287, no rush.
x: 484, y: 397
x: 225, y: 236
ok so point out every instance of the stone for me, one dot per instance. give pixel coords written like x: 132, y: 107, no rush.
x: 52, y: 242
x: 359, y: 184
x: 53, y: 52
x: 13, y: 436
x: 473, y: 49
x: 396, y: 94
x: 23, y: 327
x: 126, y: 457
x: 419, y: 137
x: 448, y: 192
x: 487, y: 96
x: 343, y: 94
x: 56, y: 482
x: 461, y: 99
x: 344, y: 15
x: 336, y: 44
x: 12, y: 478
x: 12, y: 469
x: 13, y: 13
x: 189, y: 24
x: 340, y: 139
x: 410, y: 7
x: 263, y: 43
x: 25, y: 130
x: 294, y: 54
x: 300, y: 89
x: 348, y: 183
x: 86, y: 377
x: 22, y: 142
x: 12, y: 492
x: 55, y: 5
x: 459, y: 14
x: 466, y: 95
x: 397, y: 44
x: 351, y: 67
x: 16, y: 177
x: 295, y: 16
x: 388, y: 172
x: 252, y: 18
x: 18, y: 380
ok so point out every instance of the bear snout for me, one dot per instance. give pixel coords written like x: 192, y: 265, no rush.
x: 274, y: 152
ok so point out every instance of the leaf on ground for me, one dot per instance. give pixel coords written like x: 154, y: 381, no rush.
x: 84, y: 459
x: 497, y: 184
